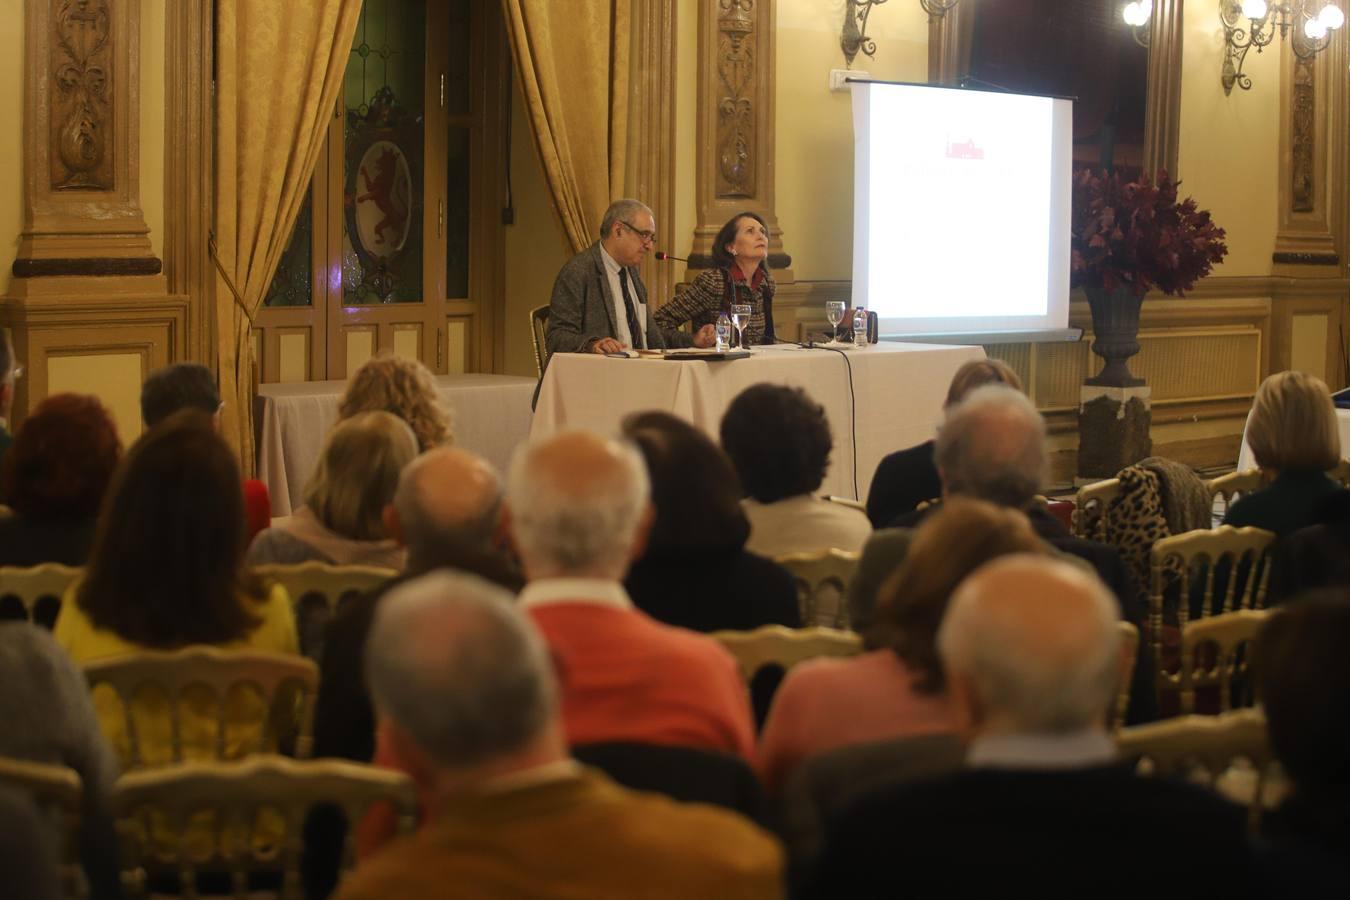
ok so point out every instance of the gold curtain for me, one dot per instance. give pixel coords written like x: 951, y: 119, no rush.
x: 279, y: 71
x: 572, y: 59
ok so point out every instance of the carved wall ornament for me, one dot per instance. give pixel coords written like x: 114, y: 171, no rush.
x: 1304, y: 134
x: 81, y: 104
x: 736, y: 106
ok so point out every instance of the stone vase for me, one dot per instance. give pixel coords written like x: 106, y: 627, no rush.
x: 1115, y: 326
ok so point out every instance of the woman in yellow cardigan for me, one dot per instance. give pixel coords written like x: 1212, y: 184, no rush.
x: 166, y: 571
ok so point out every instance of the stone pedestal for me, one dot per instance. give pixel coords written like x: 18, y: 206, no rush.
x: 1113, y: 429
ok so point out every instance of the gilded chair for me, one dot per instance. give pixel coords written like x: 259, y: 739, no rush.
x: 1341, y: 474
x: 59, y: 795
x: 1227, y: 488
x: 1129, y: 651
x: 1199, y: 574
x: 36, y: 589
x: 317, y: 590
x: 1214, y: 654
x: 205, y: 701
x: 538, y: 331
x: 1090, y: 505
x: 771, y: 645
x: 1207, y: 748
x: 822, y: 585
x: 230, y: 800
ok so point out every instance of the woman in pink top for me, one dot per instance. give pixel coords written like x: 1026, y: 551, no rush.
x: 897, y: 688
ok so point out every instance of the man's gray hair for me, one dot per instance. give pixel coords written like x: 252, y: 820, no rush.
x: 566, y: 530
x: 623, y: 211
x: 992, y: 447
x: 1034, y: 690
x: 428, y: 533
x: 458, y: 668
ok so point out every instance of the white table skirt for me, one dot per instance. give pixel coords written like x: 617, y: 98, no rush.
x: 1247, y: 460
x: 490, y: 415
x: 898, y: 389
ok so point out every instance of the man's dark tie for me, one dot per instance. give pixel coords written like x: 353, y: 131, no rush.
x: 634, y: 331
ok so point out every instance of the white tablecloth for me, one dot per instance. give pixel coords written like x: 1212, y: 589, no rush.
x: 898, y: 389
x: 490, y: 415
x: 1247, y: 460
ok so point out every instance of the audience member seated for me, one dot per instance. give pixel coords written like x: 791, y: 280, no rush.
x: 404, y: 387
x: 447, y: 512
x: 895, y: 689
x: 54, y: 478
x: 468, y: 707
x: 699, y: 537
x: 44, y: 703
x: 779, y: 441
x: 1303, y: 672
x: 1032, y: 656
x: 9, y: 373
x: 1316, y: 556
x: 992, y: 447
x: 342, y: 521
x: 579, y: 511
x: 192, y: 386
x: 1296, y: 440
x: 167, y: 571
x: 906, y: 478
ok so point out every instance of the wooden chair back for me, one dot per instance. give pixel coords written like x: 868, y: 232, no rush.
x: 1089, y: 519
x: 317, y: 590
x: 822, y: 585
x: 538, y: 333
x: 785, y: 647
x: 1225, y: 489
x: 36, y: 590
x: 1341, y: 474
x: 1205, y: 571
x: 231, y: 797
x: 59, y: 795
x: 1129, y: 652
x: 1215, y: 652
x: 152, y: 686
x: 1206, y: 748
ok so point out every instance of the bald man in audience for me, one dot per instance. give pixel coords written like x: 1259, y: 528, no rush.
x: 1043, y: 808
x: 468, y: 707
x: 579, y: 511
x: 447, y: 511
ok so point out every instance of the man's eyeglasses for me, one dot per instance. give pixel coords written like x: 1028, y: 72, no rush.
x: 647, y: 237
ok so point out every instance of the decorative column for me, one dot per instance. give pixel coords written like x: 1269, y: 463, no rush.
x: 736, y: 125
x: 87, y: 308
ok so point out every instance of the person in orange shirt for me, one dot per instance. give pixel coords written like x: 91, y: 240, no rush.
x: 579, y: 511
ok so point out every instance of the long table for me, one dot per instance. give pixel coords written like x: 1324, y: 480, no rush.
x: 897, y: 394
x: 490, y: 415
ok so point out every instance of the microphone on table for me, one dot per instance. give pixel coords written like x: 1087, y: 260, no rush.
x: 662, y: 256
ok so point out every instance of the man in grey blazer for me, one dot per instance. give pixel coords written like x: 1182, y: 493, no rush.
x: 599, y: 300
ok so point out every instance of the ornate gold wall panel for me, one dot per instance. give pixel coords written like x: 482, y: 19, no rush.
x: 82, y: 212
x: 735, y: 125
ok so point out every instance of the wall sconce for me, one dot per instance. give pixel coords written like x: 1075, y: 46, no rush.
x: 854, y: 36
x: 1136, y: 15
x: 1311, y: 21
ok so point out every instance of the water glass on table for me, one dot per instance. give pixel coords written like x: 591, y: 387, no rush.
x: 834, y: 311
x: 740, y: 317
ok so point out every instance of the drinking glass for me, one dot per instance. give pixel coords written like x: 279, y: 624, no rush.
x: 834, y: 311
x: 740, y: 317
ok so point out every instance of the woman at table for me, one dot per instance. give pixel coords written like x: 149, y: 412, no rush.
x: 1296, y: 440
x: 740, y: 274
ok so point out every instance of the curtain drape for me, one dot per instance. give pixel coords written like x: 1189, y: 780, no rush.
x: 572, y: 60
x: 279, y: 70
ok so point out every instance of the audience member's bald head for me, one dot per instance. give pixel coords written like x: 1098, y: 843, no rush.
x: 458, y: 671
x: 1031, y: 645
x: 992, y: 447
x: 579, y: 505
x: 447, y: 500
